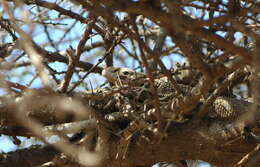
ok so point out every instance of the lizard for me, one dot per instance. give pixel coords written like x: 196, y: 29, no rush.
x: 120, y: 76
x: 127, y: 76
x: 223, y: 108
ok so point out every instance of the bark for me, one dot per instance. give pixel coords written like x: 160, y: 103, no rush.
x: 218, y: 142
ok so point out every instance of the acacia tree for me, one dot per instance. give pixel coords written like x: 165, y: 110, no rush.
x: 52, y: 56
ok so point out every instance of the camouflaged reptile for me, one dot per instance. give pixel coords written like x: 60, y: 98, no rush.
x: 125, y: 76
x: 223, y: 108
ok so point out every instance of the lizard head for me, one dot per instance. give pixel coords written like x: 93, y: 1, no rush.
x: 123, y: 75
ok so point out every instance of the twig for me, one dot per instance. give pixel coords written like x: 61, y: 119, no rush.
x: 250, y: 159
x: 74, y: 60
x: 93, y: 67
x: 17, y: 86
x: 151, y: 79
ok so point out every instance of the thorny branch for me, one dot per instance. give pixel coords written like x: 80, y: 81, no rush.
x: 205, y: 109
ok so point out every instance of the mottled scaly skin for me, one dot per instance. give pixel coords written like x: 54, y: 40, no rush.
x: 226, y: 108
x: 223, y: 108
x: 126, y: 76
x: 123, y: 76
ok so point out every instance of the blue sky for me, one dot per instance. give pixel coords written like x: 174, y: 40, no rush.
x: 39, y: 37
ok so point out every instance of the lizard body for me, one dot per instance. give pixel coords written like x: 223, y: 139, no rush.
x: 116, y: 75
x: 223, y: 108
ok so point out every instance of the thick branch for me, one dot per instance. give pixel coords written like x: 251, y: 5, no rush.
x: 31, y: 157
